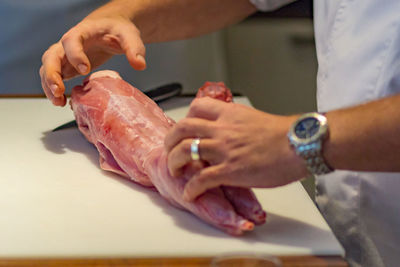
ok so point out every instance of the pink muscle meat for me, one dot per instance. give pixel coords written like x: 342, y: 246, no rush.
x: 216, y: 90
x: 128, y: 130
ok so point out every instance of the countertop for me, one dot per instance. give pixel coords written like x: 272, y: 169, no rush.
x: 56, y: 202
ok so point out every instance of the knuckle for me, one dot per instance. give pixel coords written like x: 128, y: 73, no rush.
x: 220, y: 147
x: 47, y: 53
x: 182, y: 126
x: 231, y: 141
x: 196, y: 103
x: 52, y: 50
x: 70, y: 33
x: 44, y: 56
x: 65, y: 38
x: 228, y: 141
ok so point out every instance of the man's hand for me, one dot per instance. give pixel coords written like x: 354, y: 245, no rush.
x: 114, y: 29
x: 243, y: 146
x: 85, y: 47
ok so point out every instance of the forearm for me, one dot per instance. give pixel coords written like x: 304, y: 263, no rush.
x: 167, y: 20
x: 365, y: 137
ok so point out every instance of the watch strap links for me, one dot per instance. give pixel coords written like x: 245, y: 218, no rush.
x: 316, y: 165
x: 314, y: 160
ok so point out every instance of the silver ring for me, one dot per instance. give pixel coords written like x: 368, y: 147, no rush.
x: 194, y: 149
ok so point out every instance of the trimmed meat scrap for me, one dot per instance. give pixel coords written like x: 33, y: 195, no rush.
x: 128, y: 130
x: 215, y: 90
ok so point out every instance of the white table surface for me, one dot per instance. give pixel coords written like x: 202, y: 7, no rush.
x: 55, y: 201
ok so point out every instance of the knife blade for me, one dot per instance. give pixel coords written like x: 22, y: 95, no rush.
x: 158, y: 94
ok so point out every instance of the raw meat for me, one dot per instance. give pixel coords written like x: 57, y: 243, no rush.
x: 215, y: 90
x: 128, y: 129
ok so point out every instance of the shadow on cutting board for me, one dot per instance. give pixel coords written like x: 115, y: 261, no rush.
x: 71, y: 140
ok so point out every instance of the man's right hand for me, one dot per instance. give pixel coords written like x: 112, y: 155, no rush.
x: 85, y: 47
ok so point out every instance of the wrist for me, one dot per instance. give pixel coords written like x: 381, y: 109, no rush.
x: 295, y: 164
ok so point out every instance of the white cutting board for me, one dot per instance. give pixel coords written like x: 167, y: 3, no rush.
x: 55, y: 201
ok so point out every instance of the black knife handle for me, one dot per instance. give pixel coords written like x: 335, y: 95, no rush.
x: 164, y: 92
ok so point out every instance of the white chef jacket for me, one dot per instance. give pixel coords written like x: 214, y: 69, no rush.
x: 358, y: 50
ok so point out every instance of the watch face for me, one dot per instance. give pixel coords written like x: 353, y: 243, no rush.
x: 307, y: 128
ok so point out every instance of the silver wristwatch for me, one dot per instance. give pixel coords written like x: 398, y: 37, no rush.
x: 306, y: 136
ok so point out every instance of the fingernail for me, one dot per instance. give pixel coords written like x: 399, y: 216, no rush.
x: 141, y: 58
x: 82, y: 68
x: 53, y: 88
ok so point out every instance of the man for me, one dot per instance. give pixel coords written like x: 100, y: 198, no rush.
x: 358, y: 48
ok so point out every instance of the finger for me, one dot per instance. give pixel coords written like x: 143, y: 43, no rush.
x: 206, y: 108
x: 133, y: 46
x: 73, y: 42
x: 207, y: 178
x: 50, y: 71
x: 57, y: 101
x: 50, y: 76
x: 180, y: 155
x: 188, y: 128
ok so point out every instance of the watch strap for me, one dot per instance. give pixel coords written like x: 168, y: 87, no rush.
x: 314, y: 160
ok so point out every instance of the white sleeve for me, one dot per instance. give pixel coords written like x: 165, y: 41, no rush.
x: 268, y: 5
